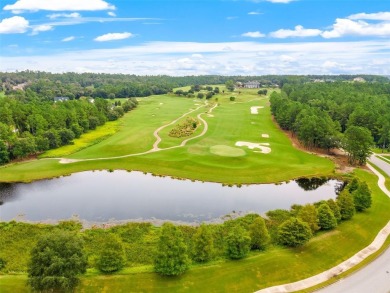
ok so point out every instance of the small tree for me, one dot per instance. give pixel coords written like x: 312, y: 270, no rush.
x: 326, y: 218
x: 232, y: 99
x: 259, y: 234
x: 358, y: 142
x: 308, y: 214
x: 111, y: 257
x: 335, y: 209
x: 200, y: 96
x: 238, y: 243
x: 362, y: 197
x: 209, y: 95
x: 57, y: 260
x: 294, y: 232
x: 171, y: 258
x: 203, y: 244
x: 346, y: 204
x: 230, y: 85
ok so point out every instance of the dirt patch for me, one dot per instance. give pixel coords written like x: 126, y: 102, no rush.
x: 265, y: 135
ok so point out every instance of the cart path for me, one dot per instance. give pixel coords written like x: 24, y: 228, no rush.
x: 156, y: 143
x: 344, y: 266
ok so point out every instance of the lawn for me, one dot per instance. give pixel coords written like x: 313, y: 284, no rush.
x: 228, y: 123
x: 277, y: 265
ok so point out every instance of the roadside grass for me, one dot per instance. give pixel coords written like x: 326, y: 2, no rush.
x: 384, y: 158
x: 387, y: 177
x: 356, y: 268
x: 231, y: 122
x: 277, y: 265
x: 86, y: 140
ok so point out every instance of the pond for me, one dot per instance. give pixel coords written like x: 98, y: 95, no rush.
x: 102, y: 196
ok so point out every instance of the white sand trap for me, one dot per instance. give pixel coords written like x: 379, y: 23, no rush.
x: 210, y: 115
x: 255, y: 109
x: 197, y: 104
x: 265, y: 135
x: 251, y: 145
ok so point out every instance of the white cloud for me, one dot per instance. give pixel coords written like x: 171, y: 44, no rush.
x: 41, y: 28
x: 58, y: 5
x: 253, y: 35
x: 254, y: 13
x: 231, y: 17
x: 14, y: 25
x: 68, y: 39
x: 199, y: 56
x: 331, y: 64
x: 287, y: 58
x: 241, y: 58
x: 64, y: 15
x: 371, y: 16
x: 110, y: 13
x: 347, y: 27
x: 113, y: 37
x: 299, y: 31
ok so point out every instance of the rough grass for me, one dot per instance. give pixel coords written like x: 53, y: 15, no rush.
x: 86, y: 140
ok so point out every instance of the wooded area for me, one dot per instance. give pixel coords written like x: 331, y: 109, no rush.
x: 355, y: 116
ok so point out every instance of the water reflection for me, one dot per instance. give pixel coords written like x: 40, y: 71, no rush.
x: 103, y: 196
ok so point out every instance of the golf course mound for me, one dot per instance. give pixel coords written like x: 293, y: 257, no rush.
x: 227, y: 151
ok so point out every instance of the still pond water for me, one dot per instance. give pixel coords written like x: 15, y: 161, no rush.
x: 102, y: 196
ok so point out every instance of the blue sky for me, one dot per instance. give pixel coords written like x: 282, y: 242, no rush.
x: 186, y: 37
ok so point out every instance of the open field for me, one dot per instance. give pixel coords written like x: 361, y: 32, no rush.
x: 227, y: 124
x: 275, y: 266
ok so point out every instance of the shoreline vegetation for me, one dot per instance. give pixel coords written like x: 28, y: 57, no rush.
x: 346, y: 237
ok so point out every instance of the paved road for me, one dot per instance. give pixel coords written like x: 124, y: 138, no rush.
x: 373, y: 278
x: 381, y: 164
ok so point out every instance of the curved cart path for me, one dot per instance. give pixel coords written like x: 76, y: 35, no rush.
x: 155, y: 145
x: 344, y: 266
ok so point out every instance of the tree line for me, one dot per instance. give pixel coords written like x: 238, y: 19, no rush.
x: 355, y: 116
x: 171, y: 249
x: 31, y: 127
x: 74, y: 85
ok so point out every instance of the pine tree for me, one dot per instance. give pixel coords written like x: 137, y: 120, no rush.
x: 346, y: 204
x: 203, y: 244
x: 259, y: 234
x: 294, y: 232
x: 326, y: 218
x: 362, y: 197
x: 238, y: 243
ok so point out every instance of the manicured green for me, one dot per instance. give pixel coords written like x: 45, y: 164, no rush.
x: 228, y: 123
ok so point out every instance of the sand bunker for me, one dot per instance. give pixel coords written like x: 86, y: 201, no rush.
x: 261, y: 146
x: 227, y: 151
x: 210, y: 115
x: 255, y: 109
x: 265, y: 135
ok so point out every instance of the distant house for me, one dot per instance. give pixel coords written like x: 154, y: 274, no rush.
x: 251, y: 84
x: 60, y: 99
x: 359, y: 79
